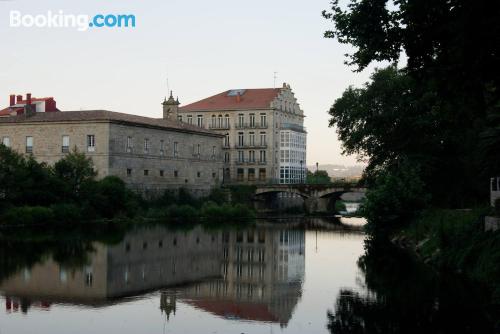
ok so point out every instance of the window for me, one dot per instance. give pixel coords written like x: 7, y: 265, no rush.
x: 239, y: 174
x: 251, y: 174
x: 176, y: 173
x: 176, y: 149
x: 198, y: 151
x: 161, y: 172
x: 214, y: 175
x: 226, y: 140
x: 251, y: 138
x: 90, y: 143
x: 129, y: 144
x: 263, y: 120
x: 251, y: 156
x: 220, y: 125
x: 213, y: 152
x: 6, y: 141
x: 146, y: 172
x: 146, y: 145
x: 29, y: 144
x: 226, y: 121
x: 198, y: 174
x: 262, y: 156
x: 190, y: 119
x: 240, y: 139
x: 200, y: 121
x: 214, y: 121
x: 241, y: 156
x: 227, y: 157
x: 129, y: 172
x: 263, y: 139
x: 179, y: 118
x: 241, y: 119
x: 162, y: 147
x: 262, y: 174
x: 252, y: 120
x: 65, y: 144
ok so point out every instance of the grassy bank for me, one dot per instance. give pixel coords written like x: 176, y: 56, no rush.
x: 455, y: 240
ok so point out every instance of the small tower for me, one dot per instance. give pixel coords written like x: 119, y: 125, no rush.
x: 168, y: 303
x: 170, y: 107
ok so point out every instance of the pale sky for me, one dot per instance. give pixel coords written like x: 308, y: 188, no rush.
x: 203, y: 47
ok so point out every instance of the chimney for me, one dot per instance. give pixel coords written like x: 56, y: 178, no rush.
x: 238, y: 98
x: 12, y: 100
x: 19, y: 98
x: 28, y: 98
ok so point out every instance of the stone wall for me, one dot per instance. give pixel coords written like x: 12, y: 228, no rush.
x: 198, y: 173
x: 47, y: 140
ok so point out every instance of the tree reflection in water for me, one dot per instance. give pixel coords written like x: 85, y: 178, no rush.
x: 402, y: 295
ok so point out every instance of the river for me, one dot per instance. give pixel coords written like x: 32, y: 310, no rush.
x: 293, y: 276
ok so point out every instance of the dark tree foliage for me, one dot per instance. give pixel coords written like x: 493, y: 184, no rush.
x: 318, y: 177
x: 442, y: 110
x: 402, y: 295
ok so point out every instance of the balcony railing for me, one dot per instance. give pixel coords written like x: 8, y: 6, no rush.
x: 219, y: 127
x: 250, y: 146
x: 250, y: 162
x: 251, y: 126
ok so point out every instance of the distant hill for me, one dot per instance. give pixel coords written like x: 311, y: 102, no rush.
x: 339, y: 171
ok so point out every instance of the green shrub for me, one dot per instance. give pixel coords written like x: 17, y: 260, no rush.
x: 181, y: 213
x: 66, y: 213
x: 28, y: 215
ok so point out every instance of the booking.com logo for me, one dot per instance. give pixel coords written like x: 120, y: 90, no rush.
x: 81, y: 22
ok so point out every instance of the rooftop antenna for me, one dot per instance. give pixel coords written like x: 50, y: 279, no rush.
x: 275, y: 76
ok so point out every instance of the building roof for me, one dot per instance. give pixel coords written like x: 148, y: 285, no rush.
x: 260, y: 98
x: 19, y: 105
x: 106, y: 116
x: 240, y: 310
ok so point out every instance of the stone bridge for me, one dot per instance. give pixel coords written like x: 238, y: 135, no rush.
x: 316, y: 196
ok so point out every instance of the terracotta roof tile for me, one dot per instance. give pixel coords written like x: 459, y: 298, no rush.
x: 250, y: 99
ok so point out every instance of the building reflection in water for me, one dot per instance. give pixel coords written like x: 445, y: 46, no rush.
x: 253, y: 274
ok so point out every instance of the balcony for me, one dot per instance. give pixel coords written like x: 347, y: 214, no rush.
x: 251, y: 126
x: 219, y: 127
x: 251, y: 146
x: 249, y: 162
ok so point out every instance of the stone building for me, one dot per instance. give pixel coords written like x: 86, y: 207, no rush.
x: 264, y: 136
x: 149, y: 154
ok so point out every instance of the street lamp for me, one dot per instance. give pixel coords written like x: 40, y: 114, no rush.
x: 317, y: 166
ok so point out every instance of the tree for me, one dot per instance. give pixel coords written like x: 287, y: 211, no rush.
x: 75, y: 169
x: 318, y: 177
x: 436, y: 110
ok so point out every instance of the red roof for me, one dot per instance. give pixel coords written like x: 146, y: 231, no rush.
x: 227, y: 309
x: 7, y: 111
x: 249, y: 99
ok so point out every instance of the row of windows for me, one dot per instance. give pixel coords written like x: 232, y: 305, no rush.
x: 240, y: 174
x: 292, y: 156
x: 223, y: 122
x: 65, y: 143
x: 292, y: 175
x: 161, y: 173
x: 292, y: 139
x: 251, y: 156
x: 196, y: 149
x: 91, y: 145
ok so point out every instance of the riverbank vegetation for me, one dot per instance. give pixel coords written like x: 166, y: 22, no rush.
x: 429, y: 130
x: 69, y: 192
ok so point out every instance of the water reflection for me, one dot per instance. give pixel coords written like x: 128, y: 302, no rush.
x: 248, y: 274
x: 401, y: 295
